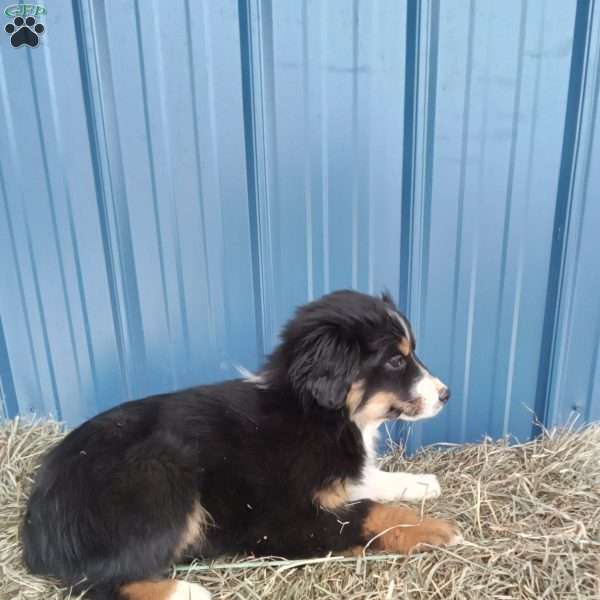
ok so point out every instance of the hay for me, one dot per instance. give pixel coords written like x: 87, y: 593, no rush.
x: 530, y: 514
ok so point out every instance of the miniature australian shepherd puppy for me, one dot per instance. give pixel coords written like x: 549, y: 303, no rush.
x: 282, y: 463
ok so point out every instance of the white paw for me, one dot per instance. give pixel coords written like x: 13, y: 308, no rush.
x: 456, y: 539
x: 185, y: 590
x: 390, y: 487
x: 420, y: 487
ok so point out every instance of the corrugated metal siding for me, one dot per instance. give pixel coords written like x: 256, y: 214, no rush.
x: 327, y: 87
x: 485, y: 214
x: 575, y: 361
x: 170, y: 191
x: 126, y: 230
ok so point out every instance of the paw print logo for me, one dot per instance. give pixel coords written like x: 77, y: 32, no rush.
x: 24, y: 31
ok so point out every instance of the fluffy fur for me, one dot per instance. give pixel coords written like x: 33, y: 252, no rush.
x: 267, y: 466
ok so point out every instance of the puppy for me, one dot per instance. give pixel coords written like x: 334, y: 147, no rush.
x: 279, y: 464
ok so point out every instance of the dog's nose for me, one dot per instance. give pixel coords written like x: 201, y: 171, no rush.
x: 444, y: 395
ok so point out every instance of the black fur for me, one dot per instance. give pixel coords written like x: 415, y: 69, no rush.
x: 111, y: 500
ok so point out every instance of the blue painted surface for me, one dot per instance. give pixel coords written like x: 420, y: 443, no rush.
x: 169, y: 194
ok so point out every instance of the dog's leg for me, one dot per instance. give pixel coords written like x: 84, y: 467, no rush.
x: 387, y: 487
x: 349, y: 528
x: 400, y: 529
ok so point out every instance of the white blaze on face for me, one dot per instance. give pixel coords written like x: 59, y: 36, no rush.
x: 427, y: 388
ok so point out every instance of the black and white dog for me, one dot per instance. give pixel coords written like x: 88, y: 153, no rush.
x: 270, y: 465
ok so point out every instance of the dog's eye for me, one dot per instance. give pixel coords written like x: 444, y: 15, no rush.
x: 396, y: 362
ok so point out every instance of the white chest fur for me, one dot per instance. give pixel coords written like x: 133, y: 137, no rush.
x: 388, y: 487
x: 370, y: 436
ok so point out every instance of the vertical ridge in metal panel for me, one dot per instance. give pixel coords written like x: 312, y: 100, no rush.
x: 42, y: 314
x: 324, y: 154
x: 354, y: 198
x: 153, y: 183
x: 593, y: 392
x: 197, y: 159
x: 310, y: 258
x: 175, y: 231
x: 370, y: 231
x: 82, y: 300
x: 209, y: 58
x: 461, y: 189
x: 594, y: 375
x: 8, y: 394
x: 19, y: 275
x: 508, y: 209
x: 250, y: 141
x: 270, y: 196
x: 418, y: 234
x: 72, y: 241
x: 525, y: 202
x: 431, y: 97
x: 31, y: 256
x: 52, y: 205
x: 85, y: 68
x: 561, y: 218
x: 572, y: 386
x: 95, y: 68
x: 259, y: 122
x: 40, y: 303
x: 475, y: 275
x: 410, y: 116
x: 8, y: 220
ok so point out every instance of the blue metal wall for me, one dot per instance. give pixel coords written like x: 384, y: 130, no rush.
x: 175, y: 178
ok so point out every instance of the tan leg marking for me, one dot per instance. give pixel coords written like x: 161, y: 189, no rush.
x: 400, y: 529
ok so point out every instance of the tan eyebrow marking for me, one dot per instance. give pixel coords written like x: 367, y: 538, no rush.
x: 404, y: 347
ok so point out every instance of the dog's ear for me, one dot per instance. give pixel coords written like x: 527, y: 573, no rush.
x: 387, y: 298
x: 324, y: 367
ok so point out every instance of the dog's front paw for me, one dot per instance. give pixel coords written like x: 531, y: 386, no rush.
x: 401, y: 529
x: 431, y: 486
x: 420, y: 487
x: 384, y: 486
x: 431, y: 533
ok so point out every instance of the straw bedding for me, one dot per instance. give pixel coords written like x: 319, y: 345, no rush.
x: 530, y: 514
